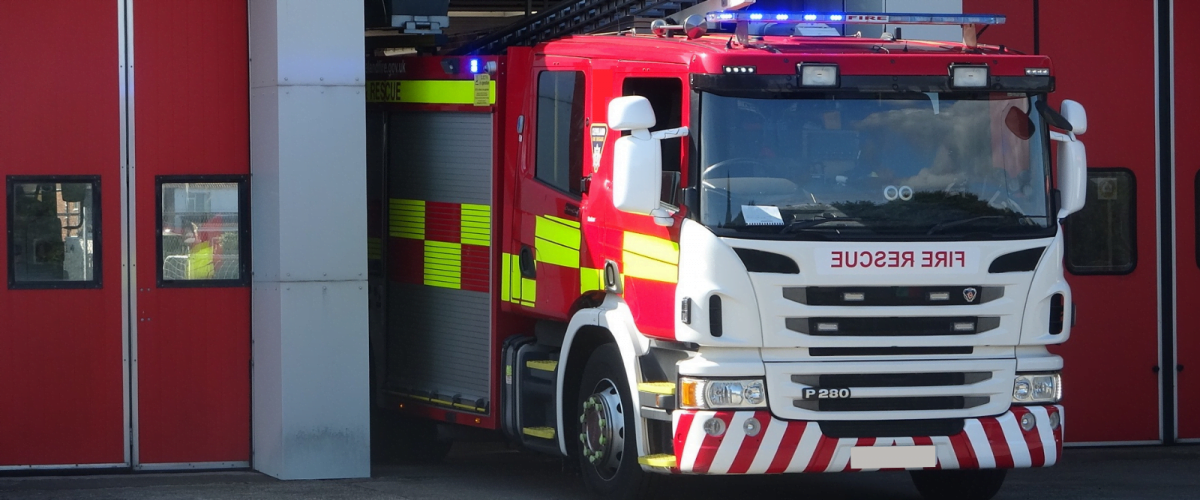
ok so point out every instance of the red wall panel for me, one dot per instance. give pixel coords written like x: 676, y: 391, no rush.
x: 193, y: 344
x: 61, y: 377
x: 1187, y: 165
x: 1109, y: 375
x: 1016, y: 32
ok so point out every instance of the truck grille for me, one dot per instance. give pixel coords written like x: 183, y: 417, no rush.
x: 892, y: 327
x: 952, y: 295
x: 892, y: 390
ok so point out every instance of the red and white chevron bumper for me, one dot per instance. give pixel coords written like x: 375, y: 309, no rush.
x: 781, y: 446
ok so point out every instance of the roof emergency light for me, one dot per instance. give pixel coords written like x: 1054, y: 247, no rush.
x: 855, y: 18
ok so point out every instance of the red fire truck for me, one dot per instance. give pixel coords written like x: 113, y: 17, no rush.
x: 747, y: 243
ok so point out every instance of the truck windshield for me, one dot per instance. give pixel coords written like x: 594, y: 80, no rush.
x: 875, y: 166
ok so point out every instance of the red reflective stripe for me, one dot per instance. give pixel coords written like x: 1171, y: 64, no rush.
x: 787, y: 447
x: 1033, y: 439
x: 750, y: 445
x: 681, y: 434
x: 923, y: 441
x: 443, y: 221
x: 710, y: 445
x: 999, y: 445
x: 870, y: 441
x: 476, y: 268
x: 822, y: 455
x: 962, y: 450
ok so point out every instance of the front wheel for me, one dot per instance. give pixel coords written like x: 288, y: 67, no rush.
x: 958, y: 484
x: 607, y: 440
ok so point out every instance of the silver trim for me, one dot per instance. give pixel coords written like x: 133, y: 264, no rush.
x: 64, y: 466
x: 129, y: 196
x: 123, y: 77
x: 1174, y: 237
x: 1158, y: 240
x: 193, y: 466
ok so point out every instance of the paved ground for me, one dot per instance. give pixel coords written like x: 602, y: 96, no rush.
x: 486, y: 471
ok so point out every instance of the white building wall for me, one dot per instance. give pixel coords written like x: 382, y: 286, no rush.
x: 308, y: 161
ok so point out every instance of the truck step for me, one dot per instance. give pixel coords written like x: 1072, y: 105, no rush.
x: 664, y: 388
x: 659, y: 395
x: 546, y: 365
x: 662, y: 461
x: 539, y: 432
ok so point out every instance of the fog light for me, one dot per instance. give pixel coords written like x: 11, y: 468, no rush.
x: 968, y: 76
x: 1054, y: 420
x: 752, y: 427
x: 1028, y: 422
x: 818, y: 75
x: 715, y: 427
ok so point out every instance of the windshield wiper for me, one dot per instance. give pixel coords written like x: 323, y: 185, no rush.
x: 939, y: 227
x: 802, y: 224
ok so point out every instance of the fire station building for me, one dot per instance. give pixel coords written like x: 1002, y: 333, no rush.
x: 187, y: 282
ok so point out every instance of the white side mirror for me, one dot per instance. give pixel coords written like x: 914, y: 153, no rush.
x: 1072, y: 176
x: 1076, y: 115
x: 637, y: 158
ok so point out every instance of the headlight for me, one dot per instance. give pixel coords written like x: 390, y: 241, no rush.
x: 1037, y: 388
x: 704, y: 394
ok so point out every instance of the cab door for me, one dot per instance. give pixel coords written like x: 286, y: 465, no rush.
x: 542, y: 275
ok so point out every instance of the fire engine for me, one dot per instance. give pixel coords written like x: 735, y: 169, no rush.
x: 742, y: 243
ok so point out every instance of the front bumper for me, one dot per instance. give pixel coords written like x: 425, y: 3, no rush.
x: 783, y: 446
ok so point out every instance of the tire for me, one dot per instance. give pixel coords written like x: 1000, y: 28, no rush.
x: 607, y: 453
x: 980, y: 484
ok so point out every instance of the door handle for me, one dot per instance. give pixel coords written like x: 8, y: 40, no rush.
x: 571, y: 210
x: 526, y: 264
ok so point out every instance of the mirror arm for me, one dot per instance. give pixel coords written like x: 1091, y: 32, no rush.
x: 670, y: 133
x: 1061, y: 137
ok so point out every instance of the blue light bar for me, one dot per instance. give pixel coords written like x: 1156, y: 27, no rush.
x: 857, y: 18
x: 474, y: 65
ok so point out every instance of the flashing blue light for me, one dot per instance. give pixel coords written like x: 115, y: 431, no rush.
x: 860, y: 18
x: 474, y: 65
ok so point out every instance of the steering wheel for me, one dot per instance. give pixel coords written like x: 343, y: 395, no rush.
x: 723, y: 168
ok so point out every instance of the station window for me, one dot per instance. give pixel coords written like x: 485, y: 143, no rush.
x: 54, y: 232
x: 1101, y: 238
x: 203, y: 231
x: 560, y: 131
x: 1196, y: 201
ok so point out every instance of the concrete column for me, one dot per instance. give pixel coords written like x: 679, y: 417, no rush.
x: 308, y: 160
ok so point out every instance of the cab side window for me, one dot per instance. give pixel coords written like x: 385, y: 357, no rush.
x: 666, y: 98
x: 560, y: 131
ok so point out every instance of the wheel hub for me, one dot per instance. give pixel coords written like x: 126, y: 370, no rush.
x: 602, y: 429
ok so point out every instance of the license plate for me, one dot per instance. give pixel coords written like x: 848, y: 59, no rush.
x: 812, y: 393
x: 893, y: 457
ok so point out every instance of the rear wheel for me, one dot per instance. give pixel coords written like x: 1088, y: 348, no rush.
x: 958, y: 484
x: 607, y: 441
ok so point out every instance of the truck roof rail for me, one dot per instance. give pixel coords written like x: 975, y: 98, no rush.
x: 572, y: 17
x: 744, y: 20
